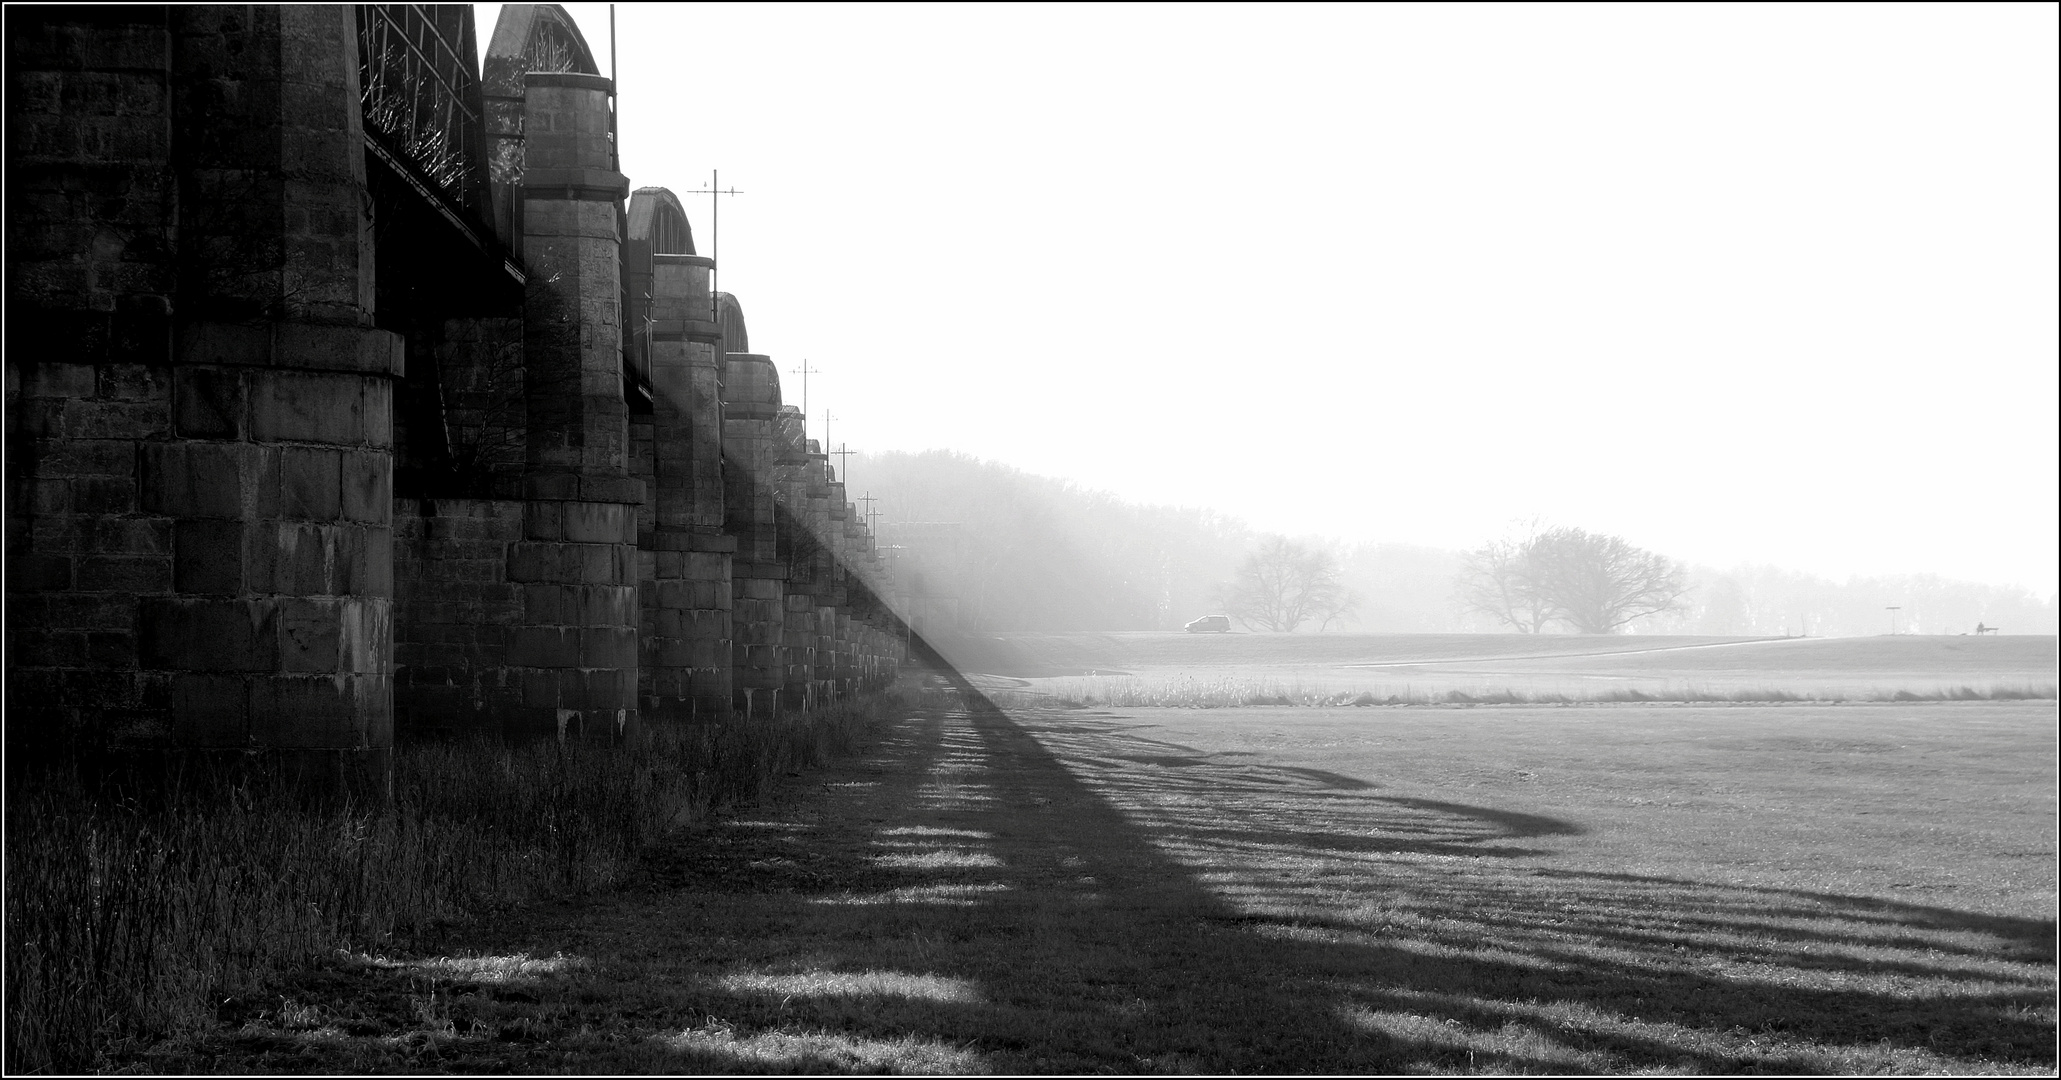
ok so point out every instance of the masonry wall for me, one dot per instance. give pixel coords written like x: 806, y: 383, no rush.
x: 685, y: 565
x: 453, y: 609
x: 199, y: 410
x: 751, y: 458
x: 207, y: 548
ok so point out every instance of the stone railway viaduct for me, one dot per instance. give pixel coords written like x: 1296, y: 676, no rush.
x: 351, y: 389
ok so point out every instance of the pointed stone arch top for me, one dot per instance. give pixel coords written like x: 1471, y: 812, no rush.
x: 544, y: 37
x: 657, y: 218
x: 730, y: 319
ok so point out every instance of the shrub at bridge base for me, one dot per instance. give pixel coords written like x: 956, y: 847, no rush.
x: 130, y: 919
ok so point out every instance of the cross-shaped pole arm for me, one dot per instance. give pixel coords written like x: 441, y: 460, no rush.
x: 805, y: 371
x: 715, y: 248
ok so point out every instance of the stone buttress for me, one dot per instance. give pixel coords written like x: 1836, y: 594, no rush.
x: 199, y: 407
x: 685, y: 562
x: 307, y: 435
x: 752, y: 453
x: 574, y: 649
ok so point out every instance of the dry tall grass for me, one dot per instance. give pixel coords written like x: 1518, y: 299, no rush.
x: 129, y: 918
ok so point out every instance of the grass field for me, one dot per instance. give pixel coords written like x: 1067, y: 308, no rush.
x: 1149, y: 668
x: 1603, y: 888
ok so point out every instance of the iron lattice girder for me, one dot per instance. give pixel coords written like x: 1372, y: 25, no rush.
x: 421, y: 95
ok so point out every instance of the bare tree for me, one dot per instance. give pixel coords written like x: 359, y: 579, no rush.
x: 1595, y: 583
x: 1285, y: 584
x: 1599, y: 583
x: 1502, y: 580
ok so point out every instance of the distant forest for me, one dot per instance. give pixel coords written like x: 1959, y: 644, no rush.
x: 1025, y: 552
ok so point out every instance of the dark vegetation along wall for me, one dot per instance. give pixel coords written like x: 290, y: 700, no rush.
x: 350, y: 392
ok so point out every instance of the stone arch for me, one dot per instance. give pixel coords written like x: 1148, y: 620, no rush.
x: 657, y: 218
x: 544, y: 37
x: 730, y: 319
x: 527, y: 37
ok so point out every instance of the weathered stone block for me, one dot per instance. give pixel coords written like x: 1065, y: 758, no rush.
x: 208, y: 403
x: 210, y: 710
x: 310, y: 634
x: 544, y: 520
x: 367, y: 485
x: 537, y: 688
x: 318, y: 710
x: 540, y: 562
x: 596, y: 523
x: 208, y: 557
x: 31, y: 572
x: 47, y: 379
x: 607, y: 605
x: 609, y: 647
x: 339, y: 349
x: 196, y: 480
x: 544, y: 647
x: 301, y: 559
x: 309, y: 483
x: 596, y: 563
x: 184, y: 634
x: 373, y: 573
x: 551, y: 486
x: 550, y: 605
x: 117, y: 420
x: 667, y: 623
x: 122, y: 573
x: 134, y: 382
x: 613, y: 489
x: 308, y: 407
x: 366, y: 641
x: 203, y: 342
x: 671, y: 653
x: 379, y: 413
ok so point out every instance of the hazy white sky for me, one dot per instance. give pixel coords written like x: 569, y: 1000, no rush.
x: 1758, y: 283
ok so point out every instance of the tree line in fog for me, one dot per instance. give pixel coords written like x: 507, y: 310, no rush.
x: 1016, y: 551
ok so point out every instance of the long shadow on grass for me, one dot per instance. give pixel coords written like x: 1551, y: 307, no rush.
x: 966, y: 899
x: 1424, y: 920
x: 1061, y: 907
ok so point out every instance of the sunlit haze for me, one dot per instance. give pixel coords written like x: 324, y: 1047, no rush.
x: 1770, y: 284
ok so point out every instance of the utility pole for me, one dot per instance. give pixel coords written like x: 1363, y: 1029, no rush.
x: 615, y: 151
x: 715, y: 245
x: 841, y: 453
x: 1892, y: 609
x: 805, y: 371
x: 826, y: 431
x: 870, y: 514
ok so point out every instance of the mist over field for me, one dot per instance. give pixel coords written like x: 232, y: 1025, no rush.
x: 1007, y: 550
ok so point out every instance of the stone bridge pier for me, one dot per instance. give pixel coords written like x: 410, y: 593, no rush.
x: 574, y: 648
x: 799, y: 497
x: 686, y: 560
x: 752, y: 452
x: 352, y: 395
x: 198, y: 401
